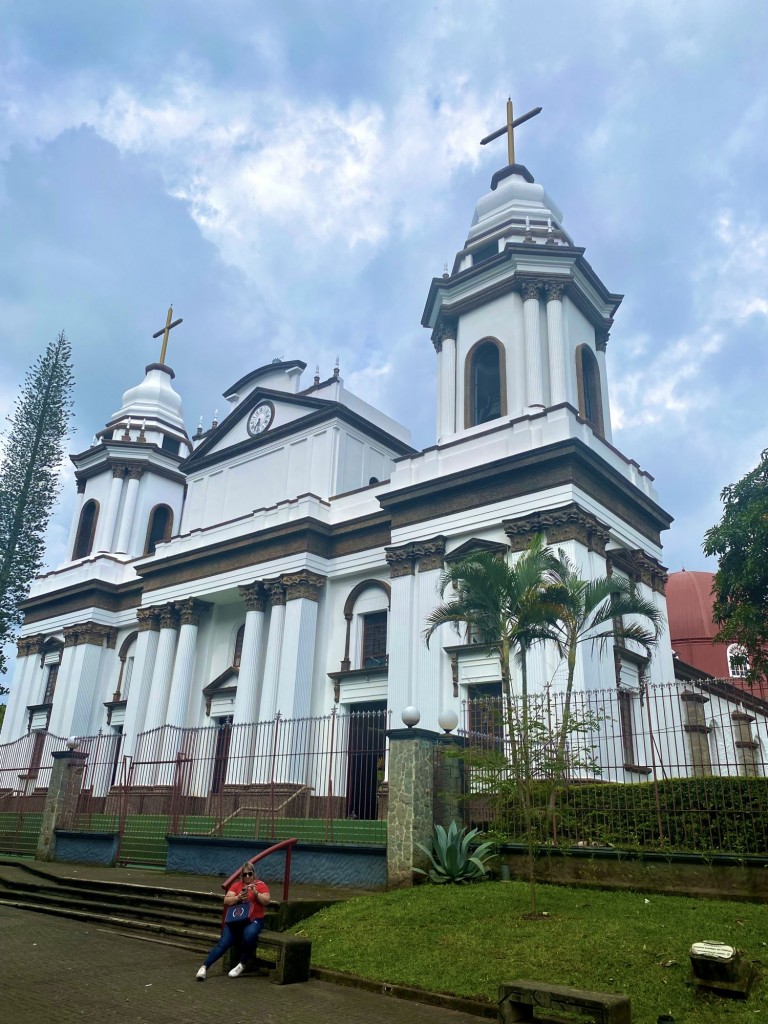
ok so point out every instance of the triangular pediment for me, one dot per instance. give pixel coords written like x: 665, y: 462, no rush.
x: 473, y: 546
x: 228, y: 678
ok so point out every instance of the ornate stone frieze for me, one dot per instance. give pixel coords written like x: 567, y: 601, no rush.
x: 530, y: 290
x: 192, y: 610
x: 554, y: 290
x: 255, y: 597
x: 30, y: 645
x: 303, y: 584
x: 558, y: 525
x: 148, y: 619
x: 430, y: 553
x: 401, y: 560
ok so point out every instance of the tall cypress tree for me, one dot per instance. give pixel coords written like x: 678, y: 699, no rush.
x: 29, y: 477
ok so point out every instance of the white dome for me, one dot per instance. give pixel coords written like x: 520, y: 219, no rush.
x: 513, y: 200
x: 153, y: 399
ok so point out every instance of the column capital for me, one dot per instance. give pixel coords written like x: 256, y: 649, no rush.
x: 191, y: 611
x: 118, y: 470
x: 401, y: 560
x: 430, y: 553
x: 444, y: 329
x: 640, y: 567
x: 95, y: 633
x: 148, y: 619
x: 275, y: 592
x: 571, y: 522
x: 601, y: 338
x: 303, y: 584
x: 81, y: 485
x: 255, y: 596
x: 169, y: 616
x: 530, y: 290
x: 135, y: 472
x: 554, y: 290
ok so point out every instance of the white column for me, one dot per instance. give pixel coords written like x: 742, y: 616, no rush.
x: 135, y: 474
x: 93, y: 644
x: 163, y: 669
x: 141, y: 681
x: 97, y: 713
x: 184, y: 665
x: 445, y: 343
x: 14, y: 724
x: 533, y: 369
x: 428, y: 675
x: 63, y: 698
x: 400, y: 631
x: 240, y: 763
x: 557, y: 385
x: 601, y: 343
x: 302, y: 593
x: 269, y: 695
x: 106, y: 525
x: 247, y: 697
x: 75, y: 519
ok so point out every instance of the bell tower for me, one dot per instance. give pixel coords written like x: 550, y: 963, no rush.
x: 520, y: 324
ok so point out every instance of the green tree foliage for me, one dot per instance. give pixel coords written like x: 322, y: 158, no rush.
x: 596, y: 611
x: 740, y: 542
x: 29, y: 477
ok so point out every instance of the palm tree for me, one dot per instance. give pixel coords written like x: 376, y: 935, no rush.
x: 596, y: 611
x: 507, y: 608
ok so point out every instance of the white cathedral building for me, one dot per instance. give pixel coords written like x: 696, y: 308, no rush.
x: 286, y: 559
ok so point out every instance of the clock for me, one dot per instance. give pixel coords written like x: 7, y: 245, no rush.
x: 261, y: 418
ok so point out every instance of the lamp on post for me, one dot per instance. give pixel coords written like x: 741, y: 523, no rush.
x: 411, y: 716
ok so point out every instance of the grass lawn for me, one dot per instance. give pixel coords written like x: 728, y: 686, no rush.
x: 465, y: 940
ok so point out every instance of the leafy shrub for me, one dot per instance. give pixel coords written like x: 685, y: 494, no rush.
x: 451, y: 857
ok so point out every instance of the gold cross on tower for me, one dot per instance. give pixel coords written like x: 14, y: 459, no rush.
x: 165, y: 332
x: 509, y: 129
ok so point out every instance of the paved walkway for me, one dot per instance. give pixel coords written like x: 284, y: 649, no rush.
x: 64, y: 971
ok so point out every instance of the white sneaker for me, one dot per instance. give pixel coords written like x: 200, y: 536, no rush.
x: 201, y: 974
x: 237, y: 970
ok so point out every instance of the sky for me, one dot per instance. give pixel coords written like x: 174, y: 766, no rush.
x: 291, y: 176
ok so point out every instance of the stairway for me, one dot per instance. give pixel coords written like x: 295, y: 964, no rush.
x: 176, y: 917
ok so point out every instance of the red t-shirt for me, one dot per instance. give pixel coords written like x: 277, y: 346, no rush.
x: 256, y: 908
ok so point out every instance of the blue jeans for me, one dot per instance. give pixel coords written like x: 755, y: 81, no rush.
x: 235, y: 935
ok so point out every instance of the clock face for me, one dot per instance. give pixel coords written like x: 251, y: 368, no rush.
x: 260, y: 418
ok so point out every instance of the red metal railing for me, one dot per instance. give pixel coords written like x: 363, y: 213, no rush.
x: 284, y: 844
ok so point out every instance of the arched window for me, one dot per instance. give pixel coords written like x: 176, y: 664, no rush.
x: 126, y: 655
x: 484, y: 382
x: 738, y: 662
x: 160, y: 526
x: 590, y: 394
x: 238, y: 652
x: 366, y: 611
x: 86, y: 530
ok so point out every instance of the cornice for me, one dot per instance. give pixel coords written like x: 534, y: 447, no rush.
x: 442, y: 291
x: 108, y: 597
x: 564, y: 463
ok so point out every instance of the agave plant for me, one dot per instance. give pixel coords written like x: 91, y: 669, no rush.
x: 451, y: 857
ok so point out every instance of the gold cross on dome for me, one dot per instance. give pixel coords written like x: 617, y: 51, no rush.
x: 509, y: 129
x: 165, y: 331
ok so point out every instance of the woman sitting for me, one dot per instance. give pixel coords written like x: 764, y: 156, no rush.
x: 247, y: 889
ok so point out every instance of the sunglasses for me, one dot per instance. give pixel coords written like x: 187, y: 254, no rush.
x: 247, y: 874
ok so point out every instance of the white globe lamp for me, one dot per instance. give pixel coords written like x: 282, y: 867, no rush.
x: 72, y: 743
x: 448, y: 720
x: 410, y: 716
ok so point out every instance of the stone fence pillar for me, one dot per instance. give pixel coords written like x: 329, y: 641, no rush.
x: 698, y: 731
x: 424, y: 789
x: 61, y: 799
